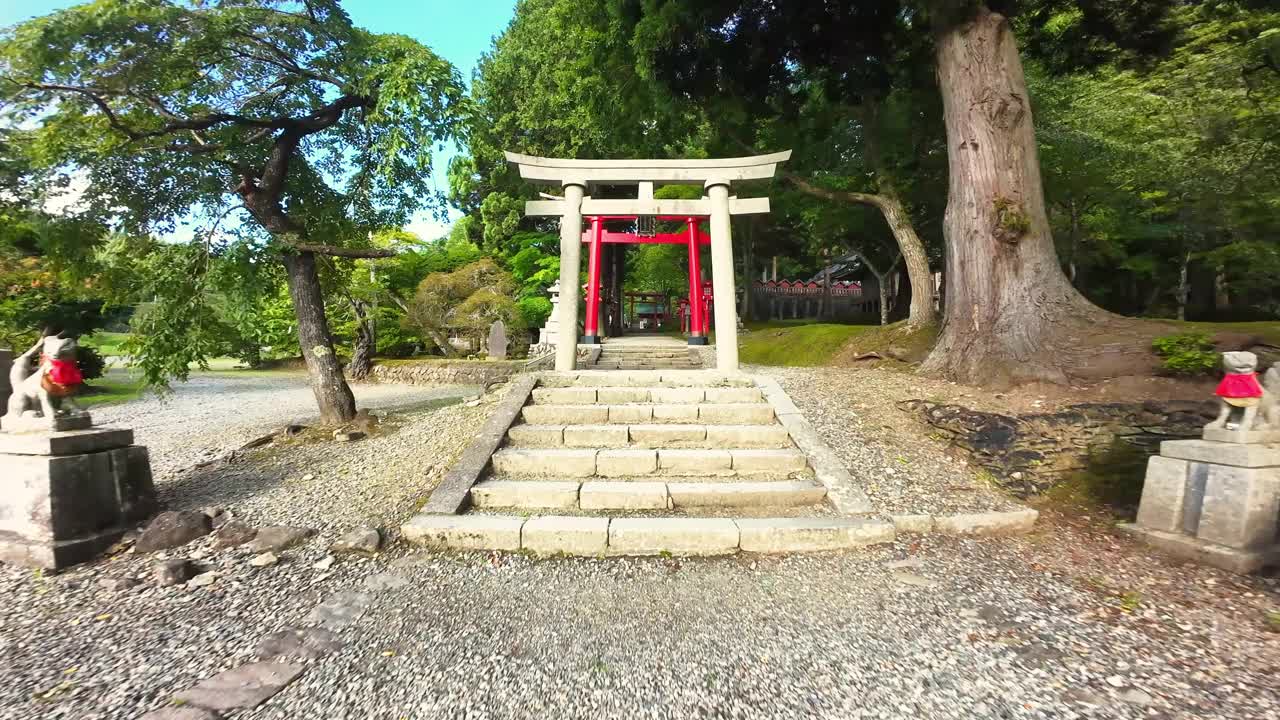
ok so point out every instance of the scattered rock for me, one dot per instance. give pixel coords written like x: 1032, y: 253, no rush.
x: 172, y: 529
x: 385, y: 581
x: 911, y: 562
x: 340, y: 610
x: 119, y: 584
x: 180, y: 713
x: 292, y: 429
x: 308, y: 477
x: 247, y: 686
x: 233, y: 534
x: 1116, y: 681
x: 364, y: 540
x: 302, y: 643
x: 324, y: 564
x: 907, y: 578
x: 1134, y: 696
x: 347, y: 435
x: 472, y: 403
x: 203, y: 579
x: 279, y: 537
x: 266, y: 559
x: 173, y: 572
x: 212, y: 512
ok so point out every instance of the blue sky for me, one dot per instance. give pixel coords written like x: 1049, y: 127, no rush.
x: 459, y: 31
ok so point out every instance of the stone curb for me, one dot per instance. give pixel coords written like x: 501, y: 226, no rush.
x: 623, y: 536
x: 842, y: 490
x: 1013, y: 522
x: 453, y: 492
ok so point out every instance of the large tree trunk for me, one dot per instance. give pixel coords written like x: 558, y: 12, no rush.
x: 1010, y: 311
x: 333, y: 395
x: 363, y: 348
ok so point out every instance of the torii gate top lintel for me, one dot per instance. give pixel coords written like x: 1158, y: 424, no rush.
x: 559, y: 171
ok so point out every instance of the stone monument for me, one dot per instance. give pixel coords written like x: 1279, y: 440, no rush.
x: 498, y: 340
x: 1216, y: 500
x: 549, y: 333
x: 68, y: 490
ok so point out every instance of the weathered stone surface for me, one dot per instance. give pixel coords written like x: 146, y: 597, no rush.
x: 525, y: 494
x: 340, y: 609
x: 619, y: 396
x: 180, y: 713
x: 629, y: 413
x: 570, y: 535
x: 464, y: 532
x: 692, y: 462
x: 749, y: 461
x: 173, y: 572
x: 59, y: 423
x: 1239, y: 455
x: 736, y: 413
x: 498, y: 340
x: 673, y: 414
x: 565, y: 414
x: 658, y: 435
x: 73, y: 442
x: 233, y: 534
x: 783, y: 535
x: 1240, y: 507
x: 919, y: 524
x: 382, y: 582
x: 595, y: 436
x: 365, y: 541
x: 678, y: 536
x: 1196, y: 550
x: 119, y: 584
x: 677, y: 395
x: 553, y: 462
x: 564, y: 396
x: 173, y: 529
x: 990, y: 523
x: 204, y: 579
x: 266, y: 559
x: 1163, y: 494
x: 447, y: 372
x: 623, y: 496
x: 734, y: 395
x: 275, y: 538
x: 622, y: 463
x: 309, y: 643
x: 748, y: 436
x: 1242, y: 436
x: 745, y: 494
x: 247, y: 686
x: 536, y: 435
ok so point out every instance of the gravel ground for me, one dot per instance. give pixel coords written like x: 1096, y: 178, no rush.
x: 900, y: 465
x: 1068, y: 622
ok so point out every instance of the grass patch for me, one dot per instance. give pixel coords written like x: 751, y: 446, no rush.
x: 1267, y: 330
x: 106, y: 343
x: 115, y: 388
x: 795, y: 344
x: 893, y: 341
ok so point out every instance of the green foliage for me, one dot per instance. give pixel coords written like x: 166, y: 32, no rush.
x: 90, y: 362
x: 467, y: 301
x: 795, y: 345
x: 1186, y: 353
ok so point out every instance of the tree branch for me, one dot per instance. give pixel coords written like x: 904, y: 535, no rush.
x: 834, y: 195
x: 337, y: 251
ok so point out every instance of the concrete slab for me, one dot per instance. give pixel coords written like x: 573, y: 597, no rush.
x: 595, y: 436
x: 678, y: 536
x: 786, y: 535
x: 659, y: 435
x: 553, y: 534
x: 599, y: 495
x: 675, y: 413
x: 991, y: 523
x: 564, y: 396
x: 565, y: 414
x: 545, y: 462
x: 694, y: 461
x: 1240, y: 507
x: 736, y: 414
x: 734, y: 395
x: 525, y: 494
x: 1239, y: 455
x: 536, y: 435
x: 745, y: 494
x: 677, y: 395
x: 464, y: 532
x: 619, y: 396
x: 622, y: 463
x: 747, y: 461
x: 748, y: 436
x: 629, y: 414
x: 1164, y: 492
x: 68, y: 442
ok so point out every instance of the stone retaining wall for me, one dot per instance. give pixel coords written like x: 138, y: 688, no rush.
x: 447, y: 372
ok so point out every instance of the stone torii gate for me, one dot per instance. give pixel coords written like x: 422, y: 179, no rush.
x: 715, y: 175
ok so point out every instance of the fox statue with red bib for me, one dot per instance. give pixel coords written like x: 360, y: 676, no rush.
x: 44, y: 380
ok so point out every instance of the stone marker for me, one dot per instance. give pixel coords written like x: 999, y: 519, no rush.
x: 173, y: 529
x: 498, y: 340
x: 365, y: 541
x: 1216, y: 500
x: 279, y: 537
x: 302, y: 643
x: 247, y: 686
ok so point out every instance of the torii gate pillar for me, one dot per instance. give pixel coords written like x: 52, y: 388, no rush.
x: 715, y: 175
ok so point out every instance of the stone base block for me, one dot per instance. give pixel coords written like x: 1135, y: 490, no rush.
x: 60, y: 423
x: 464, y: 532
x: 570, y: 535
x: 59, y: 510
x: 678, y: 536
x: 66, y: 442
x: 1194, y: 549
x: 784, y: 535
x: 1242, y: 437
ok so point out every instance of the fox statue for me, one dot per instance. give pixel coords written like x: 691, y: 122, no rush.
x: 44, y: 379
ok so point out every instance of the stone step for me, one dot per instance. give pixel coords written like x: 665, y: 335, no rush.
x: 655, y: 395
x: 599, y: 536
x: 643, y: 378
x: 655, y: 435
x: 606, y: 495
x: 649, y: 413
x: 630, y: 462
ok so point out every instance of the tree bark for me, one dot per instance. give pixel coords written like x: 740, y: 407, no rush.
x: 362, y: 348
x: 1010, y: 311
x: 333, y: 395
x: 1184, y: 286
x: 909, y: 243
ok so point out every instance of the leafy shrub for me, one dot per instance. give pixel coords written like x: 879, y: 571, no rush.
x: 91, y: 363
x: 1186, y: 354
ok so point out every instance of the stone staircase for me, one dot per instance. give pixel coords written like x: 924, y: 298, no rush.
x: 617, y: 356
x: 690, y: 463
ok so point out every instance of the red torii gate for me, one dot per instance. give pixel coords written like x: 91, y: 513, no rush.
x: 597, y: 236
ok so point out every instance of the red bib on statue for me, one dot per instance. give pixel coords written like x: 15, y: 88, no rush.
x: 62, y: 378
x: 1241, y: 385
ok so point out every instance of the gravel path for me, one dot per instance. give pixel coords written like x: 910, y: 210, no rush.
x: 900, y: 465
x: 1070, y: 622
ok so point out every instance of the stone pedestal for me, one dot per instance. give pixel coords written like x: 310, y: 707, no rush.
x: 66, y: 496
x: 1214, y: 501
